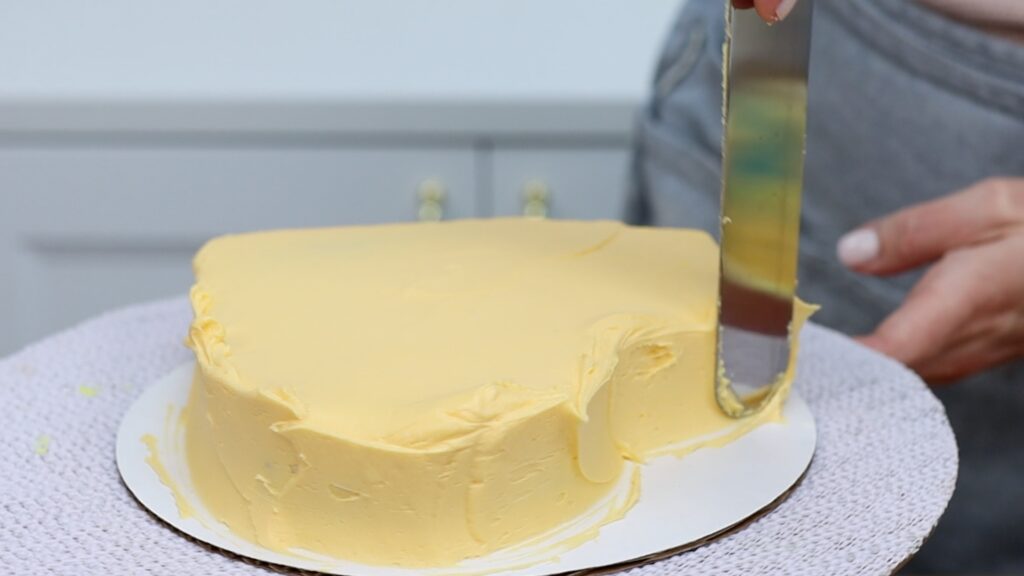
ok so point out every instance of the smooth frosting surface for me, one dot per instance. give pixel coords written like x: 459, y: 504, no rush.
x: 418, y: 394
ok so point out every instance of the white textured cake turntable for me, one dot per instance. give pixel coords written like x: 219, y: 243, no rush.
x: 883, y: 470
x: 682, y: 501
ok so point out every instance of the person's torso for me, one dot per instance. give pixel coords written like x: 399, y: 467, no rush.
x: 905, y: 106
x: 1000, y: 17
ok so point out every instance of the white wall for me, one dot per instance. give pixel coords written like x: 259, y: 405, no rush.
x: 131, y: 131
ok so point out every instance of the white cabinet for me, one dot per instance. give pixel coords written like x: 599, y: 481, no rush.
x: 82, y: 231
x: 85, y: 229
x: 583, y: 183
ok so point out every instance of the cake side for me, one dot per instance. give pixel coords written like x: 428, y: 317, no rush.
x: 326, y: 415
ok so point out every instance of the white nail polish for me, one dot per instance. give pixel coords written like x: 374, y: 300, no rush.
x: 785, y: 7
x: 858, y: 247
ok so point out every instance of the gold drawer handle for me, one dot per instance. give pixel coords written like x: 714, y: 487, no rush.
x: 536, y: 199
x: 432, y: 195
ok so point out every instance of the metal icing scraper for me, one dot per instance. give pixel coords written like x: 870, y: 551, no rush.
x: 764, y: 112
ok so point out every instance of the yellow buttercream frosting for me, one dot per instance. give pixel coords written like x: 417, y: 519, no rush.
x: 419, y: 394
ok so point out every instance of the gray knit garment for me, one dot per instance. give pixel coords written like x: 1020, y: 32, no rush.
x: 904, y: 106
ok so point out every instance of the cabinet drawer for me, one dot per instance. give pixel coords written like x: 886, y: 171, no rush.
x: 82, y: 231
x: 588, y: 183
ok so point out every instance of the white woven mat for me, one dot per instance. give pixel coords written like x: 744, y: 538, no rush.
x: 884, y: 469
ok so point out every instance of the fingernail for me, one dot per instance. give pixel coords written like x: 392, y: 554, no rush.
x: 785, y: 7
x: 858, y: 247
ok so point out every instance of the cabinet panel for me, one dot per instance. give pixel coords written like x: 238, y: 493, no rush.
x: 83, y: 231
x: 583, y: 184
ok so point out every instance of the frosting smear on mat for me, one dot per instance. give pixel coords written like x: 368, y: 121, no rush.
x: 419, y: 394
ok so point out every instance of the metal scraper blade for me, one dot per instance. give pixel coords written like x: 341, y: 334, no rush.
x: 764, y: 113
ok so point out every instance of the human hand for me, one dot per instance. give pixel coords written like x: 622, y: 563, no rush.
x: 966, y: 313
x: 768, y: 10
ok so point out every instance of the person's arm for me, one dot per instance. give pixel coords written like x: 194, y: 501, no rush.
x: 769, y: 10
x: 967, y: 313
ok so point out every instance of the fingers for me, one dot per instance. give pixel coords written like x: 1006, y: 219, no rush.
x: 919, y: 328
x: 922, y: 233
x: 964, y: 315
x: 926, y: 321
x: 965, y: 359
x: 768, y: 10
x: 967, y: 312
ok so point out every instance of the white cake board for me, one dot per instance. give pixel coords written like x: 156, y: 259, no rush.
x: 683, y: 502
